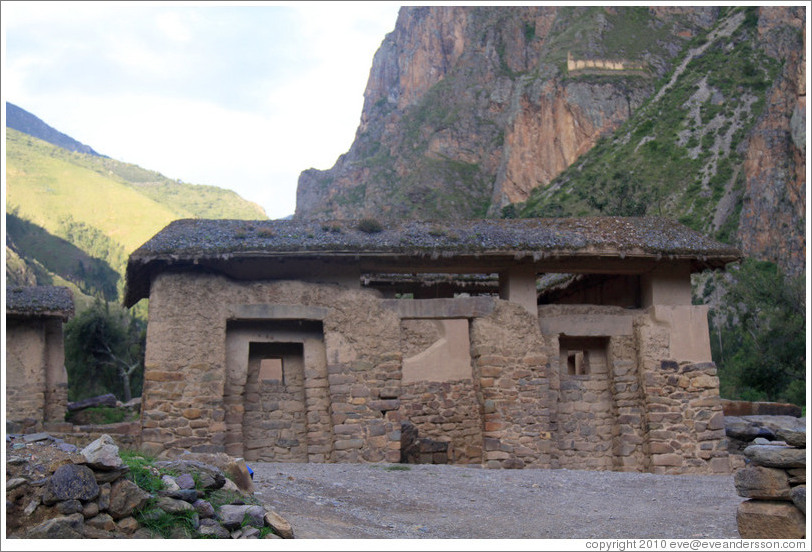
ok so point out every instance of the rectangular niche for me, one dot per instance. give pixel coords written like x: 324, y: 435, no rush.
x: 583, y: 356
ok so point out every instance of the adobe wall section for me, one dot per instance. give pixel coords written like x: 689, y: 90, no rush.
x: 573, y: 386
x: 36, y: 379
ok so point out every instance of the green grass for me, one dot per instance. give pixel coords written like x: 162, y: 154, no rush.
x: 142, y: 471
x: 163, y: 523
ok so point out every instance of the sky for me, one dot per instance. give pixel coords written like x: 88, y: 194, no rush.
x: 240, y: 95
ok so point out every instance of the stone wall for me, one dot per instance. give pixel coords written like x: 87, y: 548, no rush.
x: 775, y: 485
x: 36, y: 379
x: 683, y: 411
x: 576, y: 387
x: 511, y: 367
x: 446, y: 411
x: 196, y: 390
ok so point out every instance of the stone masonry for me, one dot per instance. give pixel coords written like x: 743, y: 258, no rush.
x: 284, y: 341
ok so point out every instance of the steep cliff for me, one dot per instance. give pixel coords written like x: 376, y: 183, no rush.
x: 690, y: 112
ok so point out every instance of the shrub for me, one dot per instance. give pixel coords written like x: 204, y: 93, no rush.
x: 370, y: 226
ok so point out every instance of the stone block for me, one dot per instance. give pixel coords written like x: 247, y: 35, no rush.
x: 666, y: 460
x: 768, y: 519
x: 776, y: 456
x: 347, y: 444
x: 762, y: 483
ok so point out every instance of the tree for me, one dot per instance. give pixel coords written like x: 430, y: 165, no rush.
x: 104, y: 353
x: 758, y: 335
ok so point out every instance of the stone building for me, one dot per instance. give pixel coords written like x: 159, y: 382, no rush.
x: 543, y: 343
x: 36, y: 380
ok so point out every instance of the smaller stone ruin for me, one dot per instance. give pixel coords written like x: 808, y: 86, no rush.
x: 36, y: 379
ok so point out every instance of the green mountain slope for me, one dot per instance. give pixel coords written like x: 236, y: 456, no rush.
x: 74, y: 217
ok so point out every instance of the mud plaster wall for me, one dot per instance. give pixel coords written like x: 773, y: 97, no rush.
x: 36, y: 379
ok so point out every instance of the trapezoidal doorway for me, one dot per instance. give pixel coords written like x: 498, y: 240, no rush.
x: 266, y: 399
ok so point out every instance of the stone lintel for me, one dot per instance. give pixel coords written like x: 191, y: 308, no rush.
x: 276, y: 312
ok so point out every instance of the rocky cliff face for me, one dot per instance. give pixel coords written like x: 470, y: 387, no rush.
x: 471, y: 110
x: 773, y: 214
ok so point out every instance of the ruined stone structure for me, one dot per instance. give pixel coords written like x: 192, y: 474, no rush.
x: 544, y: 343
x: 36, y: 380
x: 574, y: 65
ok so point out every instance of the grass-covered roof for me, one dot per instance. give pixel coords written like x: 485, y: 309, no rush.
x: 193, y: 238
x: 39, y: 301
x: 195, y: 241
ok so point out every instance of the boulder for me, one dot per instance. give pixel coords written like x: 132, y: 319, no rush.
x: 798, y: 496
x: 102, y: 454
x: 70, y: 482
x: 69, y: 507
x: 169, y: 483
x: 91, y: 509
x: 62, y: 527
x: 211, y: 528
x: 185, y: 481
x: 250, y: 533
x: 776, y: 456
x: 102, y: 521
x: 280, y: 525
x: 768, y: 519
x: 232, y: 516
x: 237, y: 471
x: 172, y: 505
x: 793, y: 436
x: 743, y: 430
x: 797, y: 476
x: 777, y: 423
x: 128, y: 525
x: 761, y: 482
x: 204, y: 508
x: 126, y: 497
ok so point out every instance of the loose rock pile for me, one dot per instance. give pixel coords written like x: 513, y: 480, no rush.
x: 774, y: 481
x: 56, y: 491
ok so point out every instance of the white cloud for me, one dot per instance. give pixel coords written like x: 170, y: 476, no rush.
x: 173, y: 26
x: 239, y: 97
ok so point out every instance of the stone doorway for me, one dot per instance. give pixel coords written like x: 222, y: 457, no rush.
x: 272, y: 415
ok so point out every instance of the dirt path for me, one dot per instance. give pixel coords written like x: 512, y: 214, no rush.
x: 423, y: 501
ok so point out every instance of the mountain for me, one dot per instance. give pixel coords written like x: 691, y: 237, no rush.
x: 72, y: 218
x: 20, y: 119
x: 695, y: 113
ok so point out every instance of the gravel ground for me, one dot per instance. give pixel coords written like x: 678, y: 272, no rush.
x: 444, y: 502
